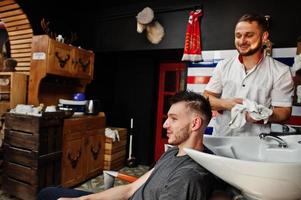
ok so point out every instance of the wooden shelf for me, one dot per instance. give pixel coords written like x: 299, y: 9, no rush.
x: 16, y: 89
x: 53, y: 60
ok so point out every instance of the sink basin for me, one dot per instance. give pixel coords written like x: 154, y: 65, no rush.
x: 255, y: 149
x: 259, y: 168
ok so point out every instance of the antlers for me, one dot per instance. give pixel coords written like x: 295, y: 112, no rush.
x: 46, y: 29
x: 68, y: 39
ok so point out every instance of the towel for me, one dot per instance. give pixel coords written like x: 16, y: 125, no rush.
x: 112, y: 134
x: 297, y: 65
x: 193, y: 47
x: 256, y: 111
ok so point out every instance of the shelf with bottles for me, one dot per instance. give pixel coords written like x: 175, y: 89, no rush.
x: 13, y: 87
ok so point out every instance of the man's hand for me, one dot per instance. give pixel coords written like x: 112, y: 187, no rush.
x: 221, y: 104
x: 249, y: 119
x: 228, y: 104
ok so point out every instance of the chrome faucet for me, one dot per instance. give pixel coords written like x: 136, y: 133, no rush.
x: 281, y: 142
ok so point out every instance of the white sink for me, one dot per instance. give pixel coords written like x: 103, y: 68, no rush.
x: 260, y: 169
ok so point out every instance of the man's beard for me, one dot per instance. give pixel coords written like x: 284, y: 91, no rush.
x: 181, y: 135
x: 251, y: 51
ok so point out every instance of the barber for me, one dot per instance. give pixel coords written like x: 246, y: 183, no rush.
x: 251, y: 75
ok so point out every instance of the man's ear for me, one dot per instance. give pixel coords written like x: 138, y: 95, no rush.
x: 197, y: 123
x: 265, y: 36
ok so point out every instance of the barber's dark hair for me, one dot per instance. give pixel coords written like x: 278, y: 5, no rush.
x: 195, y: 102
x: 261, y: 20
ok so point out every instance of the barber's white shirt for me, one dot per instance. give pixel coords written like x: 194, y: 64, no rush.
x: 269, y: 83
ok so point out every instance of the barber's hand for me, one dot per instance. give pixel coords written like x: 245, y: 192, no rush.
x: 249, y: 119
x: 230, y: 103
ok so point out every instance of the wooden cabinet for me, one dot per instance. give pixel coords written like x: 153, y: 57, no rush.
x: 83, y: 148
x: 32, y: 153
x: 67, y: 60
x: 57, y: 70
x: 12, y: 90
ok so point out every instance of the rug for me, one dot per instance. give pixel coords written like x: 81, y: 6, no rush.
x: 97, y: 184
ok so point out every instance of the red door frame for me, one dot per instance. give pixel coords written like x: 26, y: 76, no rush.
x: 165, y: 67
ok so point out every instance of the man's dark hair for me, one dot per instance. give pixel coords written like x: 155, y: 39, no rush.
x: 195, y: 102
x: 261, y: 20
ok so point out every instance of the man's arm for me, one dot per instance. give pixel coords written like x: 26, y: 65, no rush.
x: 123, y: 192
x: 221, y: 104
x: 280, y: 114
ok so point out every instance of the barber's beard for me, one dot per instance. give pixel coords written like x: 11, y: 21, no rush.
x: 251, y: 50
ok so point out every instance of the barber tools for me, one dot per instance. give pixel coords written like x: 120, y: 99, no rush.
x: 131, y: 161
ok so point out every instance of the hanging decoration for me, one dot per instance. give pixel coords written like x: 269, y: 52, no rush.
x: 192, y: 49
x: 154, y: 30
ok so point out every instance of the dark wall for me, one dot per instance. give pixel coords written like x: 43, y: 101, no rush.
x: 126, y: 84
x: 118, y: 32
x: 126, y: 87
x: 64, y: 17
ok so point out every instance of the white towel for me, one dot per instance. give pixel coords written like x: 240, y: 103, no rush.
x: 297, y: 65
x: 112, y: 134
x: 256, y: 111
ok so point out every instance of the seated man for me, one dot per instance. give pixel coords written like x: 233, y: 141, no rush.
x: 176, y: 175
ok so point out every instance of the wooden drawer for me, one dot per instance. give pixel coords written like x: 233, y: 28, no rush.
x: 22, y: 139
x: 19, y: 189
x: 26, y: 157
x: 4, y: 107
x: 27, y: 180
x: 33, y: 124
x: 4, y: 84
x: 95, y: 122
x: 20, y: 156
x: 84, y: 123
x: 20, y: 172
x: 60, y: 61
x: 83, y: 62
x: 48, y: 141
x: 73, y: 125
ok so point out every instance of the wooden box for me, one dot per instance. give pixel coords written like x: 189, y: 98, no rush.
x: 115, y: 152
x: 32, y: 153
